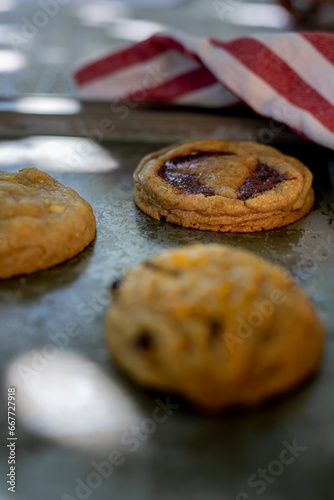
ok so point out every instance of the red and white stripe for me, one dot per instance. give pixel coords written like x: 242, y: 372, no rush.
x: 288, y: 77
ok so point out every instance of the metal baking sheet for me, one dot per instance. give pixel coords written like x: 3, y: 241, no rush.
x: 83, y: 429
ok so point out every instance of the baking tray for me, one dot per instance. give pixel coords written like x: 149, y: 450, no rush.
x: 77, y: 416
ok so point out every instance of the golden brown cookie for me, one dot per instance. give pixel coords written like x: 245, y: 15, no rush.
x: 223, y: 186
x: 213, y: 324
x: 42, y: 222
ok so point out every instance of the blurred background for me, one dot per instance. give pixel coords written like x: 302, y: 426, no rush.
x: 43, y: 41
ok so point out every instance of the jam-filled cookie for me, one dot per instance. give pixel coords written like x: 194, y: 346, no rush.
x: 42, y: 222
x: 213, y: 324
x: 223, y: 186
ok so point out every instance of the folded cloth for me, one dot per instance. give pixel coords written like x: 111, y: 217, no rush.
x: 288, y: 77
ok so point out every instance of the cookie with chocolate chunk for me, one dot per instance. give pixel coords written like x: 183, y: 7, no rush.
x: 42, y: 222
x: 223, y: 186
x: 215, y: 325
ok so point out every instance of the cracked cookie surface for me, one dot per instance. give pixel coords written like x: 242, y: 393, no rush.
x: 42, y: 222
x: 223, y: 186
x: 215, y: 325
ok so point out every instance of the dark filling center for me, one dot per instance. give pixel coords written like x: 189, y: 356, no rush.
x: 262, y: 179
x: 144, y: 341
x: 177, y: 172
x: 116, y: 284
x: 187, y: 182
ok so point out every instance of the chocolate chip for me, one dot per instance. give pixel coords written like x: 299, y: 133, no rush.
x: 185, y: 183
x: 144, y: 341
x: 196, y: 156
x: 163, y: 218
x: 215, y: 328
x: 149, y: 264
x: 263, y: 179
x: 188, y: 183
x: 116, y: 284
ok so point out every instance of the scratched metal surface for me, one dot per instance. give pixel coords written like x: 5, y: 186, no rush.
x: 76, y: 411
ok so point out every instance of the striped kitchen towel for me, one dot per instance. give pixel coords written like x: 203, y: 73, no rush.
x: 288, y: 77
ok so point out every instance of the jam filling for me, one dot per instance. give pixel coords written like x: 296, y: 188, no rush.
x: 185, y: 182
x: 262, y: 179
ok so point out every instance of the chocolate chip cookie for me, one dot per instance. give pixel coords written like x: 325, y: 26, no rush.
x: 223, y: 186
x: 42, y: 222
x: 213, y: 324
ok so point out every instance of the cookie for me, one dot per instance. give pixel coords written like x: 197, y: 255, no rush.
x: 215, y: 325
x: 223, y: 186
x: 42, y: 222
